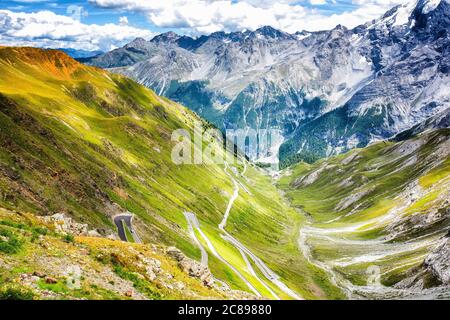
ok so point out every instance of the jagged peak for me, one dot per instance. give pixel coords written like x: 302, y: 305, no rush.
x: 169, y: 36
x: 405, y: 14
x: 137, y: 42
x: 301, y: 35
x: 340, y: 27
x: 271, y: 32
x: 139, y: 39
x: 268, y: 29
x: 428, y: 5
x: 218, y: 34
x: 268, y: 32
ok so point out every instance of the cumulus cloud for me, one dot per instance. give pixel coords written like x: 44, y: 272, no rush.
x: 206, y: 16
x: 318, y: 2
x: 47, y: 29
x: 123, y: 21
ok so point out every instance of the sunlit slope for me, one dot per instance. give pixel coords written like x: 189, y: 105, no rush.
x: 382, y: 208
x: 82, y: 141
x: 38, y: 262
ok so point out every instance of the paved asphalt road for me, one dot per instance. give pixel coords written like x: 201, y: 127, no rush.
x: 126, y: 219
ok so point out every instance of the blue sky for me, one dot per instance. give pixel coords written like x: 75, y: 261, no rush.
x: 62, y: 7
x: 101, y: 15
x: 105, y: 24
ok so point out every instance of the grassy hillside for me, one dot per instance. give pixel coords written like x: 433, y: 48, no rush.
x: 91, y: 144
x: 380, y: 209
x: 41, y: 263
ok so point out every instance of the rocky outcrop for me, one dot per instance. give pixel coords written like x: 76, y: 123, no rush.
x: 192, y: 267
x: 312, y: 177
x: 65, y: 225
x: 438, y: 262
x: 201, y: 272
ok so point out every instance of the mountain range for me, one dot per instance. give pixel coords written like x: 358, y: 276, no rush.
x: 79, y: 54
x: 327, y: 91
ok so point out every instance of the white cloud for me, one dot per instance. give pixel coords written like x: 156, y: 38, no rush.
x: 318, y: 2
x: 205, y: 16
x: 123, y: 21
x: 47, y: 29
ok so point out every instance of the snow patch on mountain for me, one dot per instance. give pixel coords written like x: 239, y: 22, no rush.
x: 430, y: 5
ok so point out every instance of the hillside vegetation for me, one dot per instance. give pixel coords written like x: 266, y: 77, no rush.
x: 90, y: 144
x: 43, y: 263
x: 379, y: 216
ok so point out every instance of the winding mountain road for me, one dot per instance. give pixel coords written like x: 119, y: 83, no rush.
x: 125, y: 219
x: 193, y: 223
x: 253, y: 273
x: 235, y: 195
x: 266, y: 271
x: 245, y: 252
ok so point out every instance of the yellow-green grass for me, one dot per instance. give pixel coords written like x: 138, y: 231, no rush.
x: 264, y: 222
x: 234, y: 257
x: 381, y: 174
x: 105, y: 265
x: 128, y: 234
x: 77, y: 139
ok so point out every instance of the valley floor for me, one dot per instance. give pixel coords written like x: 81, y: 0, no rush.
x: 379, y: 218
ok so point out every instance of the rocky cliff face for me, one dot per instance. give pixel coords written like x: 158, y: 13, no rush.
x: 408, y: 48
x: 327, y: 91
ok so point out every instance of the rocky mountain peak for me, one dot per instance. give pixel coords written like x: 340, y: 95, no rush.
x: 410, y: 14
x: 168, y: 37
x: 340, y: 27
x: 270, y: 32
x: 218, y: 35
x: 427, y: 6
x: 137, y: 42
x: 171, y: 38
x: 431, y: 12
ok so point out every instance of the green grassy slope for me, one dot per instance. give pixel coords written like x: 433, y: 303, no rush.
x: 82, y: 141
x: 384, y: 206
x: 42, y: 263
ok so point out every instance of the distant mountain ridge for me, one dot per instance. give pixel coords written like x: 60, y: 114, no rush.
x: 81, y: 54
x: 328, y: 91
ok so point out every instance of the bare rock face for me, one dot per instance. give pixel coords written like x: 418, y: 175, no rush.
x: 438, y: 262
x: 312, y: 177
x: 191, y: 267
